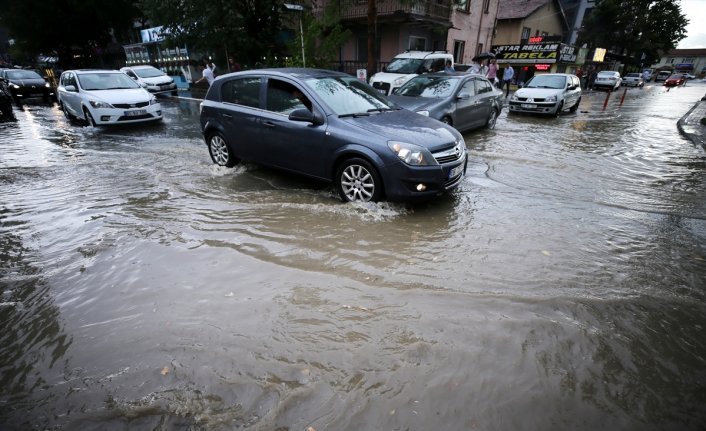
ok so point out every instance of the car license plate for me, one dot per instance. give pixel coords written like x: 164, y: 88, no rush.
x: 453, y: 173
x: 165, y: 87
x: 381, y: 90
x: 528, y: 106
x: 135, y: 113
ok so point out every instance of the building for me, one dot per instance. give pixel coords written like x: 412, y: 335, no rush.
x: 531, y: 36
x: 691, y: 61
x: 472, y: 27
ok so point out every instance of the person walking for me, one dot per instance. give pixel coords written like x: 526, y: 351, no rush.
x: 493, y: 72
x: 206, y: 74
x: 508, y: 74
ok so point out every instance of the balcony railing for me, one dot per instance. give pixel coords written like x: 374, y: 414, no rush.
x: 429, y: 9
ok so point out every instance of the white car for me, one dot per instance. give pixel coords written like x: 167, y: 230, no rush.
x: 104, y: 97
x: 549, y: 94
x: 150, y: 77
x: 406, y: 66
x: 608, y: 79
x: 633, y: 80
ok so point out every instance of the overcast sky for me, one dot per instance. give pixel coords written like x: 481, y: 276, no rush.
x: 695, y: 11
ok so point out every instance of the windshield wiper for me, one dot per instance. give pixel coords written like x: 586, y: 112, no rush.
x: 382, y: 109
x: 355, y: 114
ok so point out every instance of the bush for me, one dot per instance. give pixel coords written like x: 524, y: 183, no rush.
x: 703, y: 121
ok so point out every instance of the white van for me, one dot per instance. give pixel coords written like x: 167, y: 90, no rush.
x: 406, y: 66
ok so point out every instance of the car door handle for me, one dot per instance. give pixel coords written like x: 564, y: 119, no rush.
x: 268, y: 124
x: 226, y: 115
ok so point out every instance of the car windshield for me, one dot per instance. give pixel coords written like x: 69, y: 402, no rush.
x: 22, y: 74
x: 106, y: 81
x: 676, y: 77
x: 546, y: 81
x: 404, y: 65
x: 606, y: 75
x: 348, y: 95
x: 148, y: 72
x: 632, y: 75
x: 429, y: 86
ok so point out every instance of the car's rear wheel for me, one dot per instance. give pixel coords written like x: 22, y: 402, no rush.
x: 88, y: 117
x: 358, y: 181
x: 492, y: 119
x: 66, y: 112
x: 220, y: 151
x: 576, y: 106
x: 447, y: 120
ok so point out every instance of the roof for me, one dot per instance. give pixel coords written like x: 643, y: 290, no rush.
x: 695, y: 52
x: 518, y: 9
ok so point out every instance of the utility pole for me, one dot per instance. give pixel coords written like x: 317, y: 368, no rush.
x: 372, y: 16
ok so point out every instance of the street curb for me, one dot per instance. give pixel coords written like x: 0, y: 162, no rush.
x: 696, y: 137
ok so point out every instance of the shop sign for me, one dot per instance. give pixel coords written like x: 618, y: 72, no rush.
x: 527, y: 53
x: 568, y: 54
x: 543, y: 67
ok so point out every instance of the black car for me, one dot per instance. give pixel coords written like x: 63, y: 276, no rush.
x: 27, y: 83
x: 334, y: 127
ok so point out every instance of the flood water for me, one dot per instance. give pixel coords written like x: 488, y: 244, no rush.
x: 562, y: 286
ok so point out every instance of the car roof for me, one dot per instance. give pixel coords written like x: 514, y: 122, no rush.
x: 139, y: 66
x: 82, y: 71
x: 295, y: 72
x: 423, y: 54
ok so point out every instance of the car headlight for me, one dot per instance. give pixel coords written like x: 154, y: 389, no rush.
x: 411, y: 154
x: 15, y: 86
x: 550, y: 98
x: 46, y: 84
x: 515, y: 98
x: 99, y: 104
x: 425, y: 113
x: 399, y: 81
x: 153, y: 100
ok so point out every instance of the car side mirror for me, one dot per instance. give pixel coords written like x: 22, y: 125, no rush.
x: 463, y: 95
x: 71, y: 88
x: 305, y: 116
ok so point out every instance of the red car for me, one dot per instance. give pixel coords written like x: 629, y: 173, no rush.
x: 675, y: 80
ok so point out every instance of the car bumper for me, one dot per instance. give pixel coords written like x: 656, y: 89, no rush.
x: 409, y: 183
x: 604, y: 84
x: 110, y: 116
x: 632, y: 83
x: 165, y: 87
x: 533, y: 108
x: 24, y: 93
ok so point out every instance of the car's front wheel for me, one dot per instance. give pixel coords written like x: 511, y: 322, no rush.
x: 66, y: 112
x: 220, y: 151
x: 358, y: 181
x: 576, y: 106
x: 88, y: 117
x: 559, y: 108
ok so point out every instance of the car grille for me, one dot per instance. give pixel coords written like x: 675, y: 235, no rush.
x: 382, y: 86
x: 135, y: 117
x: 131, y: 105
x: 449, y: 155
x: 534, y: 99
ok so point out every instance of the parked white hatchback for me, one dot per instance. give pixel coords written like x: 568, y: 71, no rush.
x: 104, y: 97
x: 548, y: 93
x: 150, y: 77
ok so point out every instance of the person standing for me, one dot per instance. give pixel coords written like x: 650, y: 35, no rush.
x: 508, y: 74
x: 233, y: 65
x: 449, y: 67
x: 493, y: 72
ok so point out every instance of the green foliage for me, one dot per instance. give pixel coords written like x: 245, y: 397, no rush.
x: 323, y: 39
x: 635, y: 27
x: 246, y: 29
x: 66, y: 27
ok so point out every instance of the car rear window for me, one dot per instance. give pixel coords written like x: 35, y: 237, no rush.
x: 242, y: 91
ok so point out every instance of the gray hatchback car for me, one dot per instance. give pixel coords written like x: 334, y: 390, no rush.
x: 333, y: 127
x: 461, y: 100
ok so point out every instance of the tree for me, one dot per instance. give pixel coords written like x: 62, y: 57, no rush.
x: 639, y: 30
x: 247, y: 29
x: 323, y: 38
x: 74, y: 29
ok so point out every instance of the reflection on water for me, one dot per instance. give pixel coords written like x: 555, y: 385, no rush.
x: 560, y: 287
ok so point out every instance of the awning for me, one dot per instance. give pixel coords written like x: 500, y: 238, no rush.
x: 684, y: 66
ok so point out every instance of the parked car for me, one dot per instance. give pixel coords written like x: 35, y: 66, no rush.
x: 675, y: 80
x: 406, y: 66
x: 24, y: 84
x: 331, y: 126
x: 608, y: 79
x: 549, y: 93
x: 104, y: 97
x: 633, y: 80
x: 662, y: 75
x: 5, y: 98
x: 150, y: 78
x: 461, y: 100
